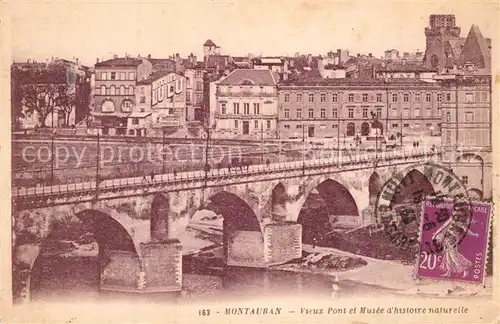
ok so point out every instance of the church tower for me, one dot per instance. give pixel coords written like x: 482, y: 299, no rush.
x: 441, y: 30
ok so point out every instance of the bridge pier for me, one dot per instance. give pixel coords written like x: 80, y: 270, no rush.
x: 278, y: 244
x: 159, y: 269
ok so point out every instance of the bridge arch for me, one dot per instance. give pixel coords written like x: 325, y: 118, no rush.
x: 109, y: 233
x: 317, y: 216
x: 374, y: 187
x: 413, y: 184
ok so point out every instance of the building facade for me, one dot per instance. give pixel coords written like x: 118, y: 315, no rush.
x: 163, y: 95
x: 467, y: 131
x: 246, y: 105
x: 115, y: 83
x: 344, y: 108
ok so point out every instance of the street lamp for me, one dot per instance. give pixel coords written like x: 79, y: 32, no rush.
x: 207, y: 130
x: 163, y: 151
x: 303, y: 149
x: 52, y: 157
x: 97, y: 164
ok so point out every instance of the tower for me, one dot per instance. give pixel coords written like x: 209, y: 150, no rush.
x: 209, y: 48
x: 441, y: 30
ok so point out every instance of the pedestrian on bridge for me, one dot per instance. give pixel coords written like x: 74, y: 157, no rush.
x: 152, y: 175
x: 175, y: 174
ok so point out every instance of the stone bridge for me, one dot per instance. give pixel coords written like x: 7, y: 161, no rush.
x: 138, y: 226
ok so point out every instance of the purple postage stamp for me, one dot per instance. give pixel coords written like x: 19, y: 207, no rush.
x: 451, y: 249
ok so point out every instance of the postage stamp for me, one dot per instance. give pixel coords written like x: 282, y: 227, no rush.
x: 451, y: 249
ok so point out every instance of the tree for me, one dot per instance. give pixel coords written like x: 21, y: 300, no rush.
x: 16, y: 107
x: 40, y: 98
x: 66, y: 101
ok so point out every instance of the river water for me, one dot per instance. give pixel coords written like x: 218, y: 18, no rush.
x: 77, y: 278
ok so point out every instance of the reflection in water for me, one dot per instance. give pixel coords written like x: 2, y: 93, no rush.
x: 77, y: 278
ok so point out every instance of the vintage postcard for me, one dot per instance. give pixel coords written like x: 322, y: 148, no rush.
x: 240, y: 161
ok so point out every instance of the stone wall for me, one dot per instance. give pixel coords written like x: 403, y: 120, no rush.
x: 162, y: 266
x: 283, y: 242
x: 245, y: 248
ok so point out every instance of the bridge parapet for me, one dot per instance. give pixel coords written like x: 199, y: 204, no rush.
x: 123, y: 187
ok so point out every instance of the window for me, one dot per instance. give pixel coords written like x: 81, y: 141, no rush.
x: 465, y: 180
x: 323, y: 97
x: 469, y: 116
x: 131, y: 90
x: 199, y: 86
x: 287, y: 113
x: 236, y: 108
x: 103, y: 90
x: 256, y: 124
x: 448, y: 96
x: 485, y: 96
x: 469, y: 97
x: 351, y: 113
x: 122, y: 75
x: 417, y: 97
x: 406, y: 97
x: 256, y: 108
x: 395, y: 125
x: 299, y: 113
x: 365, y: 97
x: 131, y: 76
x: 335, y: 126
x: 448, y: 117
x: 142, y: 99
x: 406, y: 113
x: 223, y: 108
x: 268, y: 124
x: 394, y: 97
x: 122, y: 90
x: 287, y: 97
x: 299, y: 97
x: 379, y: 112
x: 298, y: 126
x: 113, y: 75
x: 439, y: 97
x: 127, y: 105
x: 235, y: 124
x: 448, y: 137
x: 406, y: 125
x: 112, y: 90
x: 416, y: 112
x: 335, y: 97
x: 365, y: 112
x: 170, y: 111
x: 135, y: 121
x: 417, y: 126
x: 246, y: 108
x: 351, y: 97
x: 428, y: 125
x: 103, y: 75
x: 311, y: 113
x: 311, y: 97
x: 428, y: 97
x: 478, y: 96
x: 379, y: 97
x: 323, y: 113
x: 286, y: 126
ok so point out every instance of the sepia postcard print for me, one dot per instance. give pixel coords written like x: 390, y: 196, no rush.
x: 277, y: 162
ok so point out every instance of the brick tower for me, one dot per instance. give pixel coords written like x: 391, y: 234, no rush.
x: 441, y: 30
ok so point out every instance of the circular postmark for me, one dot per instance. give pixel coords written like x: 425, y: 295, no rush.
x: 424, y: 207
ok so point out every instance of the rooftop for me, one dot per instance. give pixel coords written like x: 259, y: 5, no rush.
x: 355, y: 82
x: 254, y: 77
x: 209, y: 43
x: 155, y: 76
x: 120, y: 62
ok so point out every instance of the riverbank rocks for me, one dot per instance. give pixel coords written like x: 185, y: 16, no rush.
x: 331, y: 261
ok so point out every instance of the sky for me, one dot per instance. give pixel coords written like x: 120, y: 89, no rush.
x: 90, y: 30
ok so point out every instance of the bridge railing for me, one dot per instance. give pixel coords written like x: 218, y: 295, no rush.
x: 339, y: 161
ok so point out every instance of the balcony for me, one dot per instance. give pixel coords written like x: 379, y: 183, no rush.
x: 245, y: 94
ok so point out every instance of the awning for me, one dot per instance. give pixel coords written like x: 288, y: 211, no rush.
x: 101, y: 114
x: 139, y: 114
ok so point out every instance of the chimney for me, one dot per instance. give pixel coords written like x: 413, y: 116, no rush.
x: 149, y: 56
x: 177, y: 55
x: 97, y: 60
x: 370, y: 55
x: 358, y: 55
x: 115, y: 56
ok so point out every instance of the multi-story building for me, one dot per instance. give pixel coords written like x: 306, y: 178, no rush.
x: 467, y: 131
x: 194, y: 93
x: 246, y: 104
x: 344, y: 107
x: 163, y: 96
x: 115, y: 83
